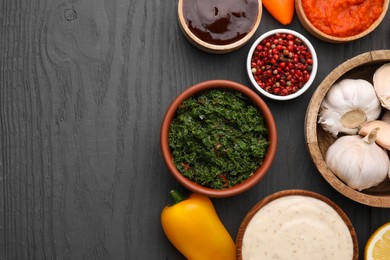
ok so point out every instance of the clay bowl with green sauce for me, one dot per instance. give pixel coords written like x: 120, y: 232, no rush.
x: 218, y: 138
x: 220, y: 26
x: 318, y: 141
x: 328, y: 37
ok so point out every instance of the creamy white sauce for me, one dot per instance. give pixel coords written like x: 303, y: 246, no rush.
x: 297, y: 227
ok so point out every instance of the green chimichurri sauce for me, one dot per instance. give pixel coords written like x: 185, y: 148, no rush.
x: 218, y: 138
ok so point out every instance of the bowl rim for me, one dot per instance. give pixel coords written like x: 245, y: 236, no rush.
x: 213, y: 48
x: 312, y: 74
x: 291, y: 192
x: 335, y: 39
x: 259, y: 173
x: 310, y: 129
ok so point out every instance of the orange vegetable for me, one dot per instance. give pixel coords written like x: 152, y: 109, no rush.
x: 281, y: 10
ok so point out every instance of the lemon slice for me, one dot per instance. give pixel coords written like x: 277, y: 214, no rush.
x: 378, y: 245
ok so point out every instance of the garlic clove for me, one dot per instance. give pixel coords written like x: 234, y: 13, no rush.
x: 383, y: 134
x: 386, y: 116
x: 381, y: 81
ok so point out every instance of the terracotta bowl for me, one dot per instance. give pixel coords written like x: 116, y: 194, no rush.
x: 334, y: 39
x: 313, y: 72
x: 261, y: 170
x: 260, y: 205
x: 213, y: 48
x: 318, y: 141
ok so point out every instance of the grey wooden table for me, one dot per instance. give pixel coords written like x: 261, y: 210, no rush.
x: 83, y: 89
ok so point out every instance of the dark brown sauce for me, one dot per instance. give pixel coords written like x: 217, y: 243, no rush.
x: 220, y: 22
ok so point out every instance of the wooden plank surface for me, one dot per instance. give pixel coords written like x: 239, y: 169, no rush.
x: 83, y: 89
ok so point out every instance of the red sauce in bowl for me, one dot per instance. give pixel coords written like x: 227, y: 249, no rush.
x: 342, y: 18
x: 220, y: 22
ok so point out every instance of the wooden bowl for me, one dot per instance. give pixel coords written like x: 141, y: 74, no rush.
x: 281, y: 194
x: 318, y: 141
x: 213, y: 48
x: 334, y: 39
x: 258, y: 174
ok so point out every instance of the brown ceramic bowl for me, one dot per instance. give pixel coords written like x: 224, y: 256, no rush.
x: 281, y: 194
x: 214, y: 48
x: 318, y: 141
x: 261, y: 170
x: 334, y: 39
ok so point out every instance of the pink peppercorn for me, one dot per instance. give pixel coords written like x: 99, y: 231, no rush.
x: 286, y: 64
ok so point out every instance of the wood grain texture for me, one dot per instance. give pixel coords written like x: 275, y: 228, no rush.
x: 83, y: 89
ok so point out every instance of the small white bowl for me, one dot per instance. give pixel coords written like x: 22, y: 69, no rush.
x: 312, y: 73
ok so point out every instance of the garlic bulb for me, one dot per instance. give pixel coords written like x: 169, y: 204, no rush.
x: 381, y: 80
x: 358, y: 161
x: 348, y: 104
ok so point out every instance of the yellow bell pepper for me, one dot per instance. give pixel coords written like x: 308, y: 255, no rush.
x: 194, y: 228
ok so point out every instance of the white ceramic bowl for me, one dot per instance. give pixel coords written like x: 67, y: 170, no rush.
x: 312, y: 73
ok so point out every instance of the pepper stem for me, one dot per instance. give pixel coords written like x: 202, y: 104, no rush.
x: 176, y: 196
